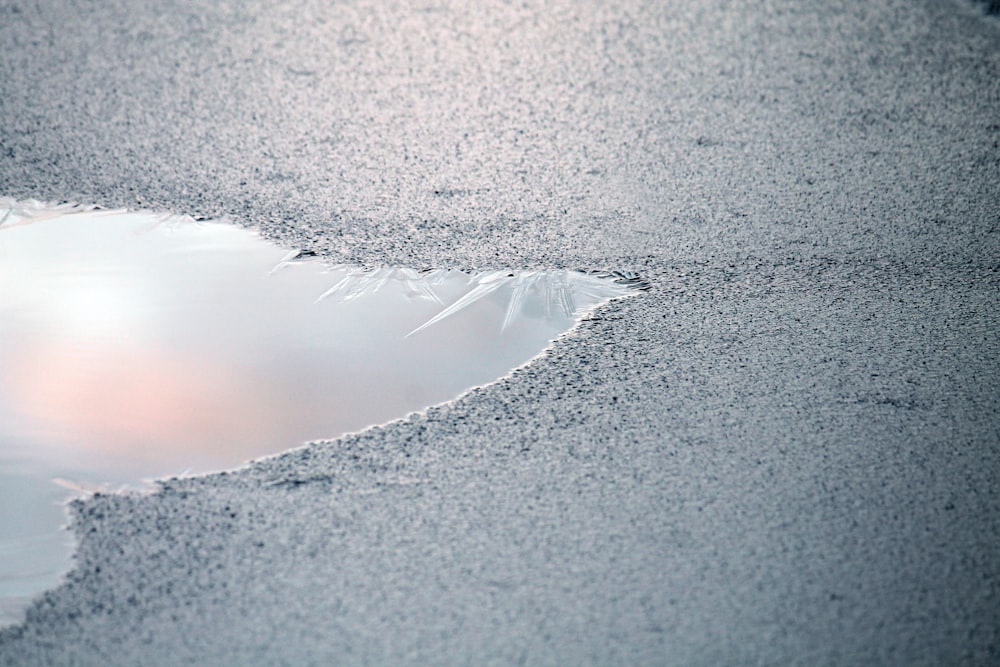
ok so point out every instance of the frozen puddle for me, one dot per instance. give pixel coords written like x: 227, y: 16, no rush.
x: 135, y: 345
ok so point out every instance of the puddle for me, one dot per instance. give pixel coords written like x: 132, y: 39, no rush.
x: 135, y: 345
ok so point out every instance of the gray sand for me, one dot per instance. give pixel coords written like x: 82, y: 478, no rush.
x: 785, y: 453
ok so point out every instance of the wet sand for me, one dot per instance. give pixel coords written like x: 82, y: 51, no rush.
x: 784, y: 453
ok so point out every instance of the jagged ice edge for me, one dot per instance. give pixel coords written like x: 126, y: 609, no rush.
x: 558, y: 287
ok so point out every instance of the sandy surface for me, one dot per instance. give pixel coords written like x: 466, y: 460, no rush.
x: 785, y: 453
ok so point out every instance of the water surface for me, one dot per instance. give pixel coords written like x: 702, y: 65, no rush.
x: 135, y: 345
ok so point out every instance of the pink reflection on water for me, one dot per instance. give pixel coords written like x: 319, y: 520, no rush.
x: 145, y: 406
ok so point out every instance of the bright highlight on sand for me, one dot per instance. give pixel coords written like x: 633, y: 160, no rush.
x: 135, y: 345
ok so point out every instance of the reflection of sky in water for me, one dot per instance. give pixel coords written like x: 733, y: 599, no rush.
x: 133, y: 347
